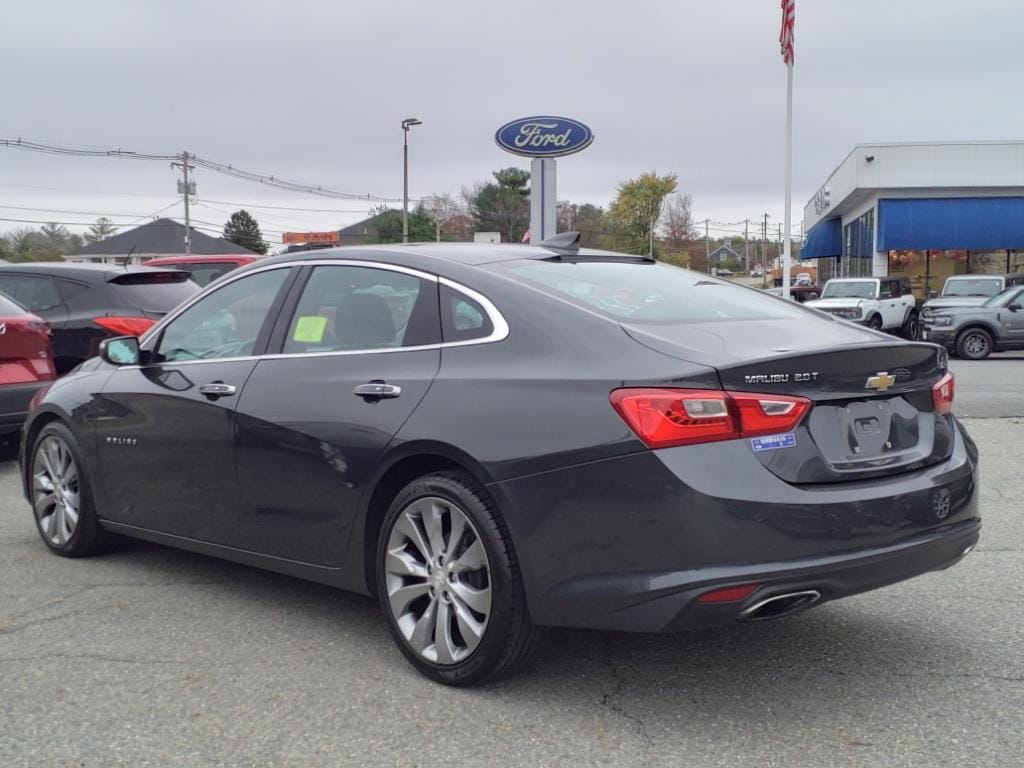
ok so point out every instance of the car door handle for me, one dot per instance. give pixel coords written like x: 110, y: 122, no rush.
x: 217, y: 389
x: 378, y: 390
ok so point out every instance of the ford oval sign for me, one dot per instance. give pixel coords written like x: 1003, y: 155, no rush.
x: 544, y: 136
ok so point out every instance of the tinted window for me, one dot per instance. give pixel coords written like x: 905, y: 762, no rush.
x: 34, y: 293
x: 226, y: 323
x: 462, y: 318
x: 204, y: 274
x: 888, y: 289
x: 152, y: 291
x: 354, y: 308
x: 649, y: 292
x: 10, y: 308
x: 70, y: 289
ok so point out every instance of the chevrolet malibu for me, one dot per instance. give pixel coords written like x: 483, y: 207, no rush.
x: 494, y: 440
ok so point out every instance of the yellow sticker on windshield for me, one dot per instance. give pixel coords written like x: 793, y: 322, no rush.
x: 310, y: 329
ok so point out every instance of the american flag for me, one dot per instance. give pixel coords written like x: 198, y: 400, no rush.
x: 786, y: 33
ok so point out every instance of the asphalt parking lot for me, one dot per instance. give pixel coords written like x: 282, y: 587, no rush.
x: 153, y: 657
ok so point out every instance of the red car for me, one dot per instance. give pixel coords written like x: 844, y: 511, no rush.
x: 203, y: 270
x: 26, y: 363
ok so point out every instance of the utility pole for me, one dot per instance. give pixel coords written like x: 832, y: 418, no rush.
x: 186, y: 188
x: 650, y: 247
x: 437, y: 217
x: 764, y: 252
x: 746, y: 246
x: 707, y: 247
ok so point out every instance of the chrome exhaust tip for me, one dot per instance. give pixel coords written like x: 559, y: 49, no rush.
x: 777, y: 606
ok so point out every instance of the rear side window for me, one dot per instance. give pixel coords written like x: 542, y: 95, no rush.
x: 70, y: 290
x: 204, y: 274
x: 348, y: 309
x: 152, y: 291
x: 648, y: 292
x: 36, y: 294
x: 9, y: 308
x: 462, y: 318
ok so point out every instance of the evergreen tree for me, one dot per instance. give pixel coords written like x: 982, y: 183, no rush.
x: 100, y: 230
x: 242, y: 229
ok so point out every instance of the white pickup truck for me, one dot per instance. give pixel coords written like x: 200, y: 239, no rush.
x: 882, y: 303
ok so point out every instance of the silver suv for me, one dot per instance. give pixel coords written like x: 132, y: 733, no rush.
x: 978, y: 331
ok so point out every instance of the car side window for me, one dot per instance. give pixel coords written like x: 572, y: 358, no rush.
x: 225, y: 323
x: 348, y: 308
x: 462, y: 318
x: 36, y: 294
x: 204, y: 274
x: 886, y: 290
x: 69, y: 289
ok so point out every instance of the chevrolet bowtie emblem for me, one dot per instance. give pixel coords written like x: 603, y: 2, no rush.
x: 880, y: 381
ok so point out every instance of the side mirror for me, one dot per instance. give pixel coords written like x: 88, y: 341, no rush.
x: 122, y: 350
x: 932, y: 294
x: 1015, y: 307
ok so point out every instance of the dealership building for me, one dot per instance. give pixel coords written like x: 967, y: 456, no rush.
x: 924, y: 210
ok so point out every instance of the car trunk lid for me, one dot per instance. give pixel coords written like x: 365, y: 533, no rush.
x: 872, y: 412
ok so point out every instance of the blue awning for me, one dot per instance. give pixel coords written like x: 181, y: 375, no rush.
x: 823, y: 239
x: 952, y: 223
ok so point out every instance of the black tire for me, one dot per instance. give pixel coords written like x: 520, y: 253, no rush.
x: 510, y: 638
x: 911, y: 329
x: 875, y: 323
x: 974, y: 344
x: 87, y: 538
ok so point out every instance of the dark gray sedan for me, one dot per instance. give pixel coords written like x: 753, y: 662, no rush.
x: 976, y: 332
x: 498, y: 439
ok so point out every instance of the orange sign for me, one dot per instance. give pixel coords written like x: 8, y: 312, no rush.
x: 310, y: 237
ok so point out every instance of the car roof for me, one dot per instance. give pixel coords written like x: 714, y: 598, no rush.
x: 1015, y: 275
x: 470, y: 254
x: 234, y: 259
x: 82, y: 271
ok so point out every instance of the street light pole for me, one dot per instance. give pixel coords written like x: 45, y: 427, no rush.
x: 408, y: 123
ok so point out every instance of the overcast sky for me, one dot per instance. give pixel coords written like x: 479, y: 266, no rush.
x: 315, y: 92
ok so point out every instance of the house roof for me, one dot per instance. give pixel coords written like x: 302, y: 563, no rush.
x: 164, y: 236
x: 721, y: 248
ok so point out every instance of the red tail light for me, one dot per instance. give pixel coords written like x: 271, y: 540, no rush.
x: 124, y: 326
x: 942, y: 393
x: 669, y: 417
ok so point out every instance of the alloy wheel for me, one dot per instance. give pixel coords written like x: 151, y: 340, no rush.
x: 437, y: 578
x: 56, y: 490
x: 976, y: 345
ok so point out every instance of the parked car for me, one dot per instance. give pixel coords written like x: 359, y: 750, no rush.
x: 756, y: 272
x: 26, y: 363
x: 883, y: 304
x: 798, y: 293
x: 85, y: 303
x: 970, y: 290
x: 479, y: 437
x: 723, y: 272
x: 975, y: 332
x: 202, y: 269
x: 803, y: 278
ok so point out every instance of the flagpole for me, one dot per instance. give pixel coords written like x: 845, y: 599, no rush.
x: 788, y: 224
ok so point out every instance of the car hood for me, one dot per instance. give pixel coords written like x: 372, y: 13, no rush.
x: 836, y: 302
x: 956, y: 301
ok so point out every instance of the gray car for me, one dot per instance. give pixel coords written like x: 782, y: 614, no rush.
x: 976, y: 332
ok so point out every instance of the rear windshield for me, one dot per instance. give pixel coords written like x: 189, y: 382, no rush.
x: 9, y: 308
x: 981, y: 286
x: 862, y: 289
x: 156, y: 291
x: 649, y: 292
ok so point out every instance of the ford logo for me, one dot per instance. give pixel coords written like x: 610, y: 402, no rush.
x: 544, y: 136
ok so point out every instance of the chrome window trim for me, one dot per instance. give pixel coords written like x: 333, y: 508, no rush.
x: 498, y: 322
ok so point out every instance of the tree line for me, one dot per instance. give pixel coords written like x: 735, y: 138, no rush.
x: 649, y: 215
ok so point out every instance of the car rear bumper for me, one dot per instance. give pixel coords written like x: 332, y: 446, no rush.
x: 14, y: 400
x: 631, y: 543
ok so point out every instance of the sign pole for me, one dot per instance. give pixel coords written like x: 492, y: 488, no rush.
x: 788, y: 224
x: 543, y: 220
